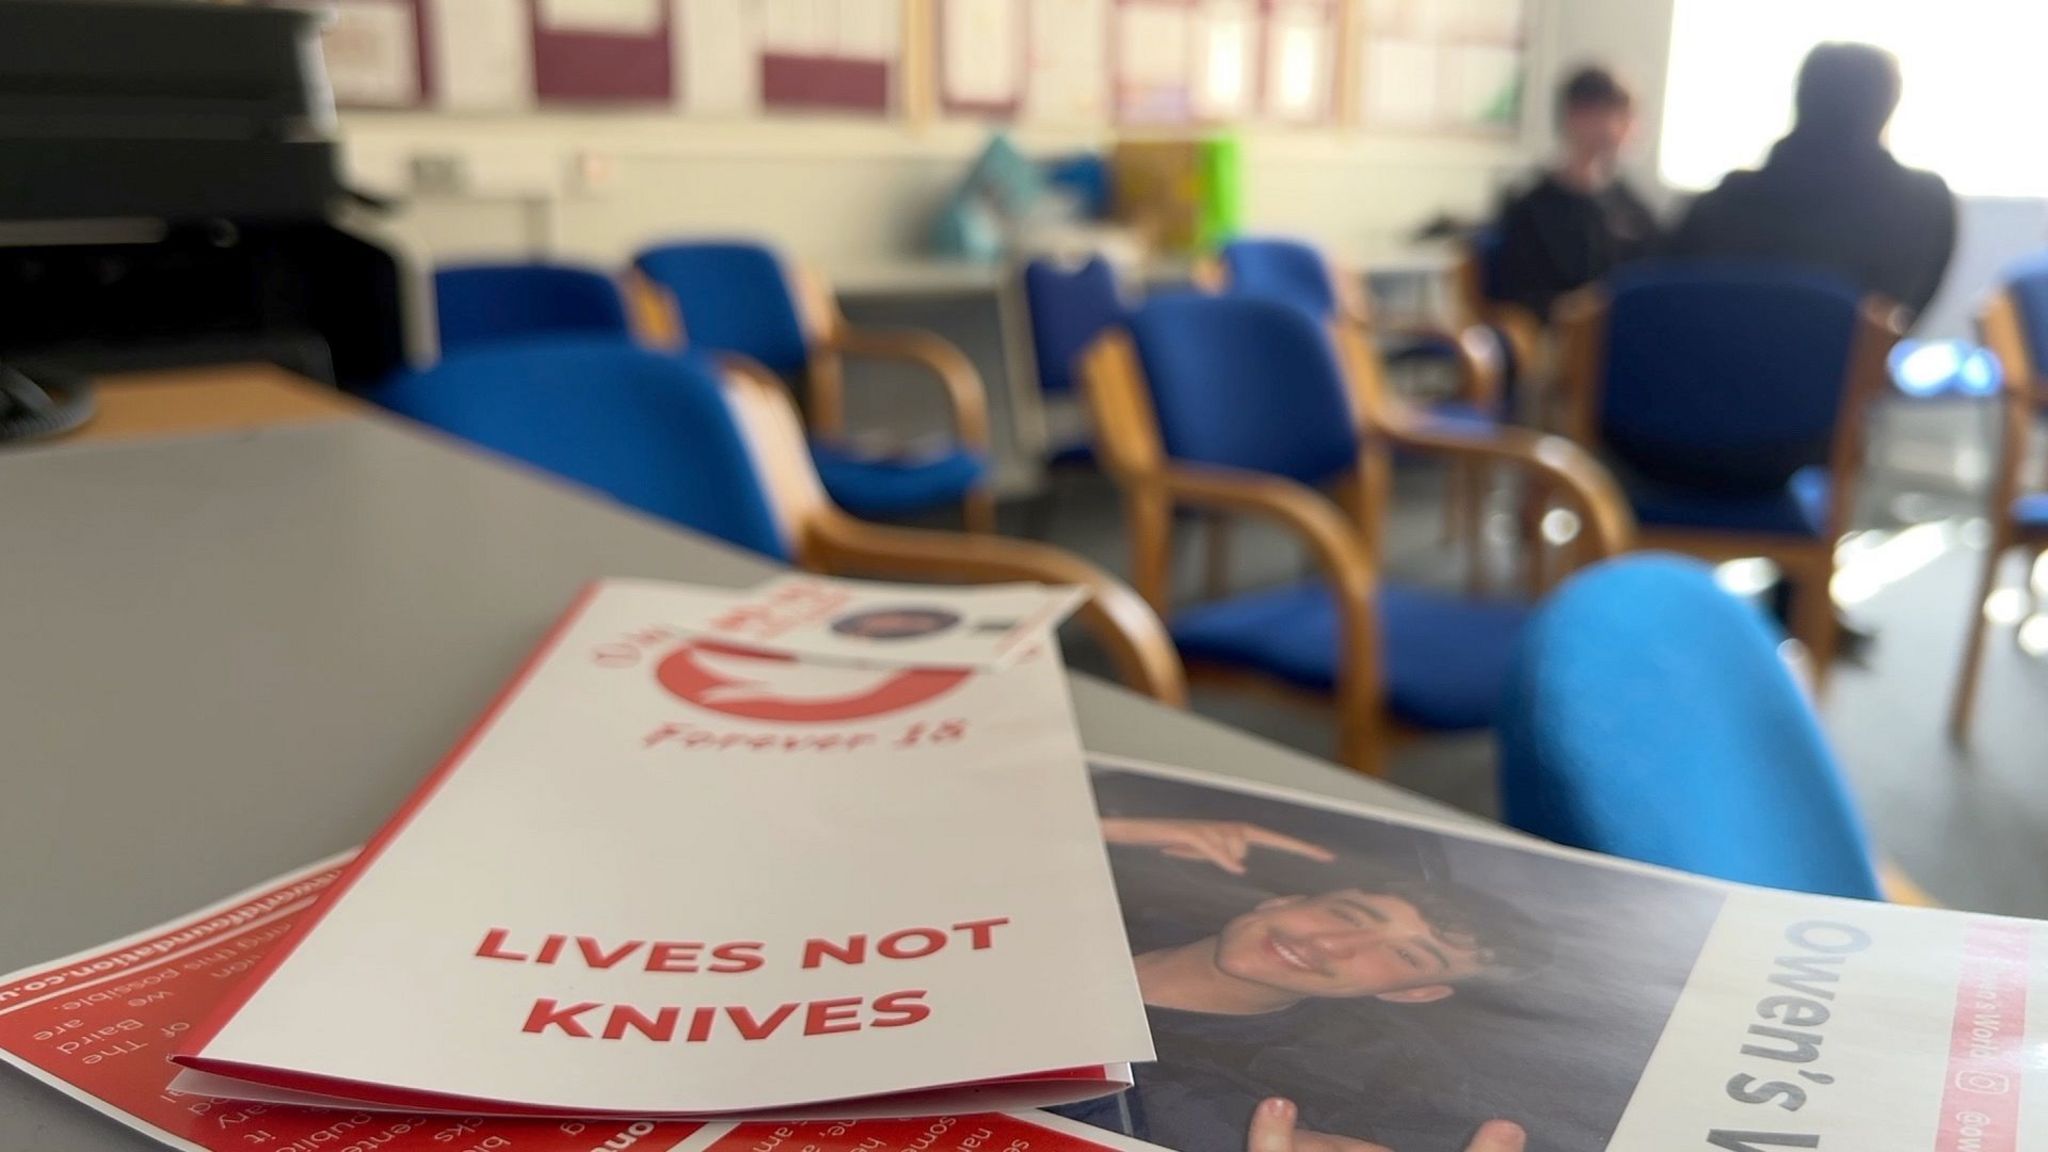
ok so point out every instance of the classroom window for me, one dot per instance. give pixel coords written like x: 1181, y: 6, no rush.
x: 1971, y: 84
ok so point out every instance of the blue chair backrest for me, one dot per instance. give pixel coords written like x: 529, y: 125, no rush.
x: 1649, y: 716
x: 1727, y: 378
x: 491, y: 303
x: 1487, y: 244
x: 1286, y: 271
x: 734, y: 296
x: 1069, y: 308
x: 650, y: 429
x: 2028, y: 282
x: 1245, y: 383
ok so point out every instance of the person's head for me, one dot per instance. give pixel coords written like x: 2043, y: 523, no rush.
x: 895, y: 623
x: 1848, y: 91
x: 1595, y: 115
x: 1403, y: 942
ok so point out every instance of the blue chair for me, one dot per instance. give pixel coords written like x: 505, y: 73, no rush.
x: 1731, y: 400
x: 1065, y: 309
x: 739, y: 298
x: 2014, y: 326
x: 1650, y: 716
x: 719, y: 448
x: 479, y: 304
x: 1296, y: 273
x: 1290, y: 272
x: 1241, y: 406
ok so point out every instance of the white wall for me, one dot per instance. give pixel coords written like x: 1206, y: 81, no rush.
x: 837, y: 193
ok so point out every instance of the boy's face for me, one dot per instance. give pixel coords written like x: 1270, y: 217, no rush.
x: 1598, y: 131
x: 1344, y: 944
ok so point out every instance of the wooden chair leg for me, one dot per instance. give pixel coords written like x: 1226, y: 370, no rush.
x: 1361, y: 744
x: 1456, y: 482
x: 978, y: 511
x: 1478, y: 486
x: 1964, y: 705
x: 1813, y: 618
x: 1535, y: 550
x: 1216, y: 562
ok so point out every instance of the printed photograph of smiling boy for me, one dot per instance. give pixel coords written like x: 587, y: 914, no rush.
x: 1401, y: 987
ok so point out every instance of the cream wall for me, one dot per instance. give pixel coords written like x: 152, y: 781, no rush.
x: 596, y: 186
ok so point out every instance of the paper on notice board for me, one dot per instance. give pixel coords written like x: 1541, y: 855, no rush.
x: 1152, y: 45
x: 1069, y: 61
x: 1402, y: 83
x: 483, y: 54
x: 870, y: 29
x: 1226, y: 35
x: 605, y: 17
x: 1483, y: 84
x: 980, y: 59
x: 800, y: 27
x: 1298, y: 62
x: 371, y: 49
x: 719, y: 47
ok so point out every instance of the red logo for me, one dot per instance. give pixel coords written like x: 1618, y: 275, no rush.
x: 749, y: 693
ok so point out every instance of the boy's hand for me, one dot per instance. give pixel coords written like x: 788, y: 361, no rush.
x: 1273, y: 1130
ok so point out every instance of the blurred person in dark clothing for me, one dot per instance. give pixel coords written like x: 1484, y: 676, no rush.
x: 1581, y: 220
x: 1831, y: 196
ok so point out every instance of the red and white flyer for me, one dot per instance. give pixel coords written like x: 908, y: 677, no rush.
x: 673, y: 876
x: 96, y: 1026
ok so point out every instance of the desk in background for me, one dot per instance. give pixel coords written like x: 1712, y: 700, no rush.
x: 187, y: 401
x: 230, y: 653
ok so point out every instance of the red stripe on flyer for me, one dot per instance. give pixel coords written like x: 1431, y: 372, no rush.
x: 1980, y: 1102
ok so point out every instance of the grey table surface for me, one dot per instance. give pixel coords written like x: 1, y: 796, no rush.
x: 224, y: 657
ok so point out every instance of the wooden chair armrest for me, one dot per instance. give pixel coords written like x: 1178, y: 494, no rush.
x: 1900, y: 888
x: 1332, y: 539
x: 1481, y: 368
x: 1524, y: 330
x: 1133, y: 635
x: 1551, y: 460
x: 946, y: 362
x: 1342, y: 554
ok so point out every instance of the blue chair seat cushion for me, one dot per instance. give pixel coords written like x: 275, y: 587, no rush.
x: 870, y: 485
x: 1799, y: 509
x: 1460, y: 416
x: 1445, y: 657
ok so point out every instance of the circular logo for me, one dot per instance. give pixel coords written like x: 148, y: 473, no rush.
x: 756, y: 685
x: 911, y: 623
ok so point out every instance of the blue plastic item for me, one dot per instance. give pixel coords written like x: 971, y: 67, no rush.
x: 1649, y: 716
